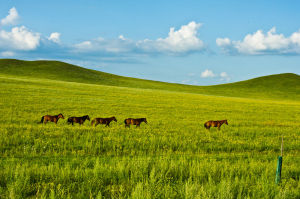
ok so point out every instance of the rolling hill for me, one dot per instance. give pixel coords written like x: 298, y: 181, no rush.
x: 281, y: 86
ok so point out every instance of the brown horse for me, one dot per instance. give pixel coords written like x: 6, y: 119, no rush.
x: 80, y: 120
x: 217, y: 123
x: 50, y: 118
x: 136, y: 122
x: 103, y: 121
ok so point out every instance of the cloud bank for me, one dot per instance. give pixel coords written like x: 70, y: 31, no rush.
x: 260, y: 43
x: 182, y: 41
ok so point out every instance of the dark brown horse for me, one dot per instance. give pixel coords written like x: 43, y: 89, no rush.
x: 217, y: 123
x: 136, y: 122
x: 50, y: 118
x: 103, y: 121
x: 80, y: 120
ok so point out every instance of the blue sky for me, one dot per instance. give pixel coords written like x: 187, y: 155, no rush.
x: 191, y: 42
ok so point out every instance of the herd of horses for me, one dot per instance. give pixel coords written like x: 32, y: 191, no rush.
x: 106, y: 121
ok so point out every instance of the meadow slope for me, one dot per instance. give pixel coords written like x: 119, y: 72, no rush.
x: 275, y: 87
x: 171, y: 157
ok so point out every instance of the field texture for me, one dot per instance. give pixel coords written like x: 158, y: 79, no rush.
x: 171, y: 157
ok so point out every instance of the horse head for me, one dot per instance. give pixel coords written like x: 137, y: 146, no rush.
x: 87, y: 117
x: 144, y: 119
x: 61, y: 116
x: 114, y: 118
x: 226, y: 122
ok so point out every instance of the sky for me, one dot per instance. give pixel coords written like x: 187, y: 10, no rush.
x: 190, y: 42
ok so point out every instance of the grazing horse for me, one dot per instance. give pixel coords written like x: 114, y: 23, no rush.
x: 103, y: 121
x: 136, y: 122
x: 80, y: 120
x: 50, y: 118
x: 217, y: 123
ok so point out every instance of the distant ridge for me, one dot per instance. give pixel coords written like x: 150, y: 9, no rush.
x: 280, y: 86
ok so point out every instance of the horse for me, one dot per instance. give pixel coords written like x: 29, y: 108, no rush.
x: 80, y: 120
x: 217, y: 123
x: 50, y: 118
x: 103, y: 121
x: 136, y: 122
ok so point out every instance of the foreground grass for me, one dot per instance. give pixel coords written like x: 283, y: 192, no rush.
x: 172, y: 157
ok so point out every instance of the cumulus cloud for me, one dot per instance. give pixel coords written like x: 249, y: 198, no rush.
x: 261, y: 43
x: 182, y: 41
x: 11, y: 18
x: 207, y: 73
x: 54, y: 37
x: 19, y: 38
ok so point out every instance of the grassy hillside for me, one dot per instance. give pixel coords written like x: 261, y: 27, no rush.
x: 171, y: 157
x: 282, y: 86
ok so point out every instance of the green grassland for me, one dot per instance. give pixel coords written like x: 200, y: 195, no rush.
x: 171, y: 157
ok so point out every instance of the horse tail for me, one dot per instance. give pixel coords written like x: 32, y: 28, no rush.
x: 125, y: 121
x: 42, y: 120
x: 93, y: 121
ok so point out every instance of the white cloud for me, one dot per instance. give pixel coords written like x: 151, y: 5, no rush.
x: 181, y: 41
x: 100, y: 44
x: 261, y: 43
x: 20, y: 38
x: 224, y: 76
x: 11, y: 18
x: 7, y: 54
x: 210, y: 74
x: 54, y: 37
x: 295, y: 38
x: 207, y: 73
x: 122, y: 37
x: 223, y: 41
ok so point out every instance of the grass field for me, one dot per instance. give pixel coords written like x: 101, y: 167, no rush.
x: 171, y: 157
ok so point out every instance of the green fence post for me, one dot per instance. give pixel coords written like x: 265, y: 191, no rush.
x: 279, y: 165
x: 278, y: 170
